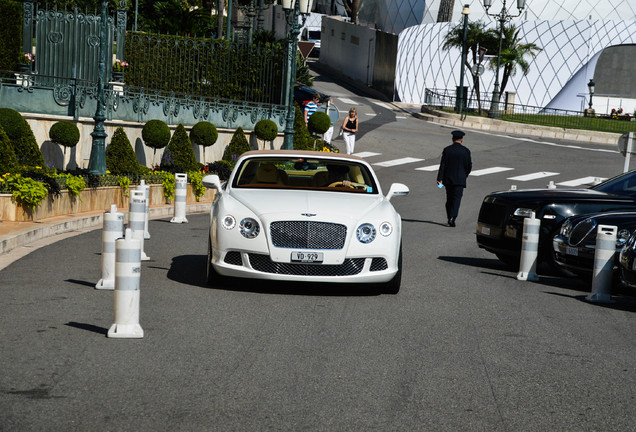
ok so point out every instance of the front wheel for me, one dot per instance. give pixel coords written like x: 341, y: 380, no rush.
x: 212, y: 277
x: 393, y: 286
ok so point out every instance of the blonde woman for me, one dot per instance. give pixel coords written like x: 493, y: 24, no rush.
x: 349, y: 129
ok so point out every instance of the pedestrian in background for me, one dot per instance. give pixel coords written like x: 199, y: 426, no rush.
x: 311, y: 106
x: 455, y: 166
x: 349, y: 129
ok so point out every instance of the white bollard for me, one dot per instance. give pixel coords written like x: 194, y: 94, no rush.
x: 529, y: 249
x: 127, y: 277
x: 136, y: 218
x: 113, y: 230
x: 551, y: 185
x: 180, y: 194
x: 144, y: 187
x: 603, y: 264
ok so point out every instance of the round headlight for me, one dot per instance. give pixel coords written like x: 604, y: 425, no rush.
x: 229, y: 222
x: 386, y: 229
x: 566, y: 228
x: 365, y: 233
x: 249, y: 228
x: 621, y: 238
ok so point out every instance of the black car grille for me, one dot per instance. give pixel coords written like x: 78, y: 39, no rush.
x: 378, y: 264
x: 234, y: 258
x: 581, y: 231
x: 350, y: 266
x: 308, y: 235
x: 493, y: 213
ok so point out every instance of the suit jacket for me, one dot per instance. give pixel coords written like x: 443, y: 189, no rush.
x: 455, y: 166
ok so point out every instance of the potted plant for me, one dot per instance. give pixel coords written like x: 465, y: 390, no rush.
x: 24, y: 65
x: 119, y: 67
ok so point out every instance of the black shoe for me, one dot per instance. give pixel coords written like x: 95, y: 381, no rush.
x: 451, y: 222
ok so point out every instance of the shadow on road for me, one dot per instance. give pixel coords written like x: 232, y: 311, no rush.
x: 89, y: 327
x: 425, y: 221
x: 619, y: 302
x: 190, y: 270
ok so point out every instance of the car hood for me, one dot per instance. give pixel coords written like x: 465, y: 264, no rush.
x: 319, y: 205
x: 542, y: 195
x: 623, y: 219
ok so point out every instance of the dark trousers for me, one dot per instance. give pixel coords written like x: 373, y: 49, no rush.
x: 453, y: 199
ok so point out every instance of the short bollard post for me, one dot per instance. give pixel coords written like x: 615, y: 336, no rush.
x: 144, y: 187
x: 551, y: 185
x: 603, y: 264
x: 180, y: 194
x: 513, y: 187
x: 529, y: 249
x: 136, y: 218
x: 113, y: 230
x: 127, y: 277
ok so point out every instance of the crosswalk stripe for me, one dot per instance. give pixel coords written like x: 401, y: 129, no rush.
x: 582, y: 181
x: 380, y: 104
x: 400, y: 161
x: 492, y: 170
x: 348, y: 101
x: 400, y: 117
x: 428, y: 168
x: 366, y: 154
x: 533, y: 176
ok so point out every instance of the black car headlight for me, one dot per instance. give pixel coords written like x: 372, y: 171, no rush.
x: 365, y: 233
x: 622, y: 237
x: 249, y: 228
x: 566, y: 228
x: 523, y: 212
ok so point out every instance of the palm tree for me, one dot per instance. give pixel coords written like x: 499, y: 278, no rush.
x: 513, y: 54
x: 476, y: 37
x: 445, y: 12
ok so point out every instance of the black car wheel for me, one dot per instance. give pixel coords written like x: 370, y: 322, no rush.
x: 393, y: 286
x: 212, y: 277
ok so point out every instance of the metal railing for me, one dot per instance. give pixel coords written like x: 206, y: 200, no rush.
x: 567, y: 119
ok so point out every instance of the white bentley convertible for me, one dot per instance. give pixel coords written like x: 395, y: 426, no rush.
x: 304, y: 216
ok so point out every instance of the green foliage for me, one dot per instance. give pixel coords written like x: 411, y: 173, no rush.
x: 302, y: 139
x: 156, y: 134
x: 65, y: 133
x: 8, y: 162
x: 204, y: 134
x: 27, y: 150
x: 169, y: 184
x: 266, y: 130
x: 120, y: 156
x: 74, y: 184
x: 26, y: 191
x: 319, y: 122
x: 124, y: 184
x: 10, y: 34
x: 196, y: 182
x: 179, y: 156
x: 238, y: 145
x: 303, y: 74
x: 12, y: 122
x: 221, y: 168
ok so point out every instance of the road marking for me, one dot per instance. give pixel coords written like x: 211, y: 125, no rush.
x: 492, y: 170
x: 400, y: 117
x: 395, y: 162
x: 370, y: 114
x: 582, y: 181
x: 348, y: 101
x: 380, y: 104
x: 366, y: 154
x: 533, y: 176
x: 428, y: 168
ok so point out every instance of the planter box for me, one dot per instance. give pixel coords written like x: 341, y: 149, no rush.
x: 90, y: 200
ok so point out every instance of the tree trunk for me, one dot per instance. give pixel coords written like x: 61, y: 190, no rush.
x: 219, y: 18
x: 445, y: 13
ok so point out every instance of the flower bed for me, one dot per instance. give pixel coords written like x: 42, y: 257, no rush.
x: 90, y: 199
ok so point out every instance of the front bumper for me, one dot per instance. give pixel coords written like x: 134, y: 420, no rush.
x: 575, y: 258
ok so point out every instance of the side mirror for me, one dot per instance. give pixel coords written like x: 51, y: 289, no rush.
x: 212, y: 181
x: 397, y: 189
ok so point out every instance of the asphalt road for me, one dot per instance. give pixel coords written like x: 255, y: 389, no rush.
x: 463, y: 346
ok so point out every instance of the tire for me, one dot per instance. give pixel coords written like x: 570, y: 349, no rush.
x: 212, y: 278
x: 512, y: 262
x: 393, y: 286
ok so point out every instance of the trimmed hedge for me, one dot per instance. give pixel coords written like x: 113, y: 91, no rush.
x: 266, y: 130
x: 156, y: 134
x: 237, y: 146
x: 120, y: 156
x: 8, y: 162
x: 65, y: 133
x: 319, y: 122
x: 179, y: 156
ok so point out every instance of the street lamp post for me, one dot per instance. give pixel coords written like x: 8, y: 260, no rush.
x: 293, y: 9
x: 97, y: 161
x: 502, y: 17
x: 589, y: 112
x: 465, y: 13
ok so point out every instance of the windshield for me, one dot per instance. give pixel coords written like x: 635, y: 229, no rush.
x: 623, y: 184
x: 305, y: 173
x: 314, y: 34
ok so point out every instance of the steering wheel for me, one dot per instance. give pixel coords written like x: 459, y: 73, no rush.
x: 351, y: 185
x: 338, y: 183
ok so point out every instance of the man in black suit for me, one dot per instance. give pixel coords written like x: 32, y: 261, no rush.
x: 453, y: 170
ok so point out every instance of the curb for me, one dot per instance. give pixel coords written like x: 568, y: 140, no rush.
x: 85, y: 222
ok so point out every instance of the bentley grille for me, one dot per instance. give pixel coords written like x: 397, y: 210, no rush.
x: 308, y: 235
x: 263, y: 263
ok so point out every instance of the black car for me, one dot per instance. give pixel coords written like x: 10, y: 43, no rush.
x: 627, y: 262
x: 575, y: 244
x: 500, y: 221
x: 304, y: 94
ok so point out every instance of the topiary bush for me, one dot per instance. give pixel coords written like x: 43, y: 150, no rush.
x: 120, y: 156
x: 8, y: 162
x: 179, y: 156
x: 266, y: 130
x: 302, y: 139
x: 237, y: 146
x: 204, y: 134
x: 319, y: 123
x: 156, y: 134
x: 21, y: 137
x: 222, y: 168
x: 65, y: 133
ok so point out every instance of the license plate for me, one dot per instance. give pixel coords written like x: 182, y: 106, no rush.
x: 307, y: 257
x: 571, y: 251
